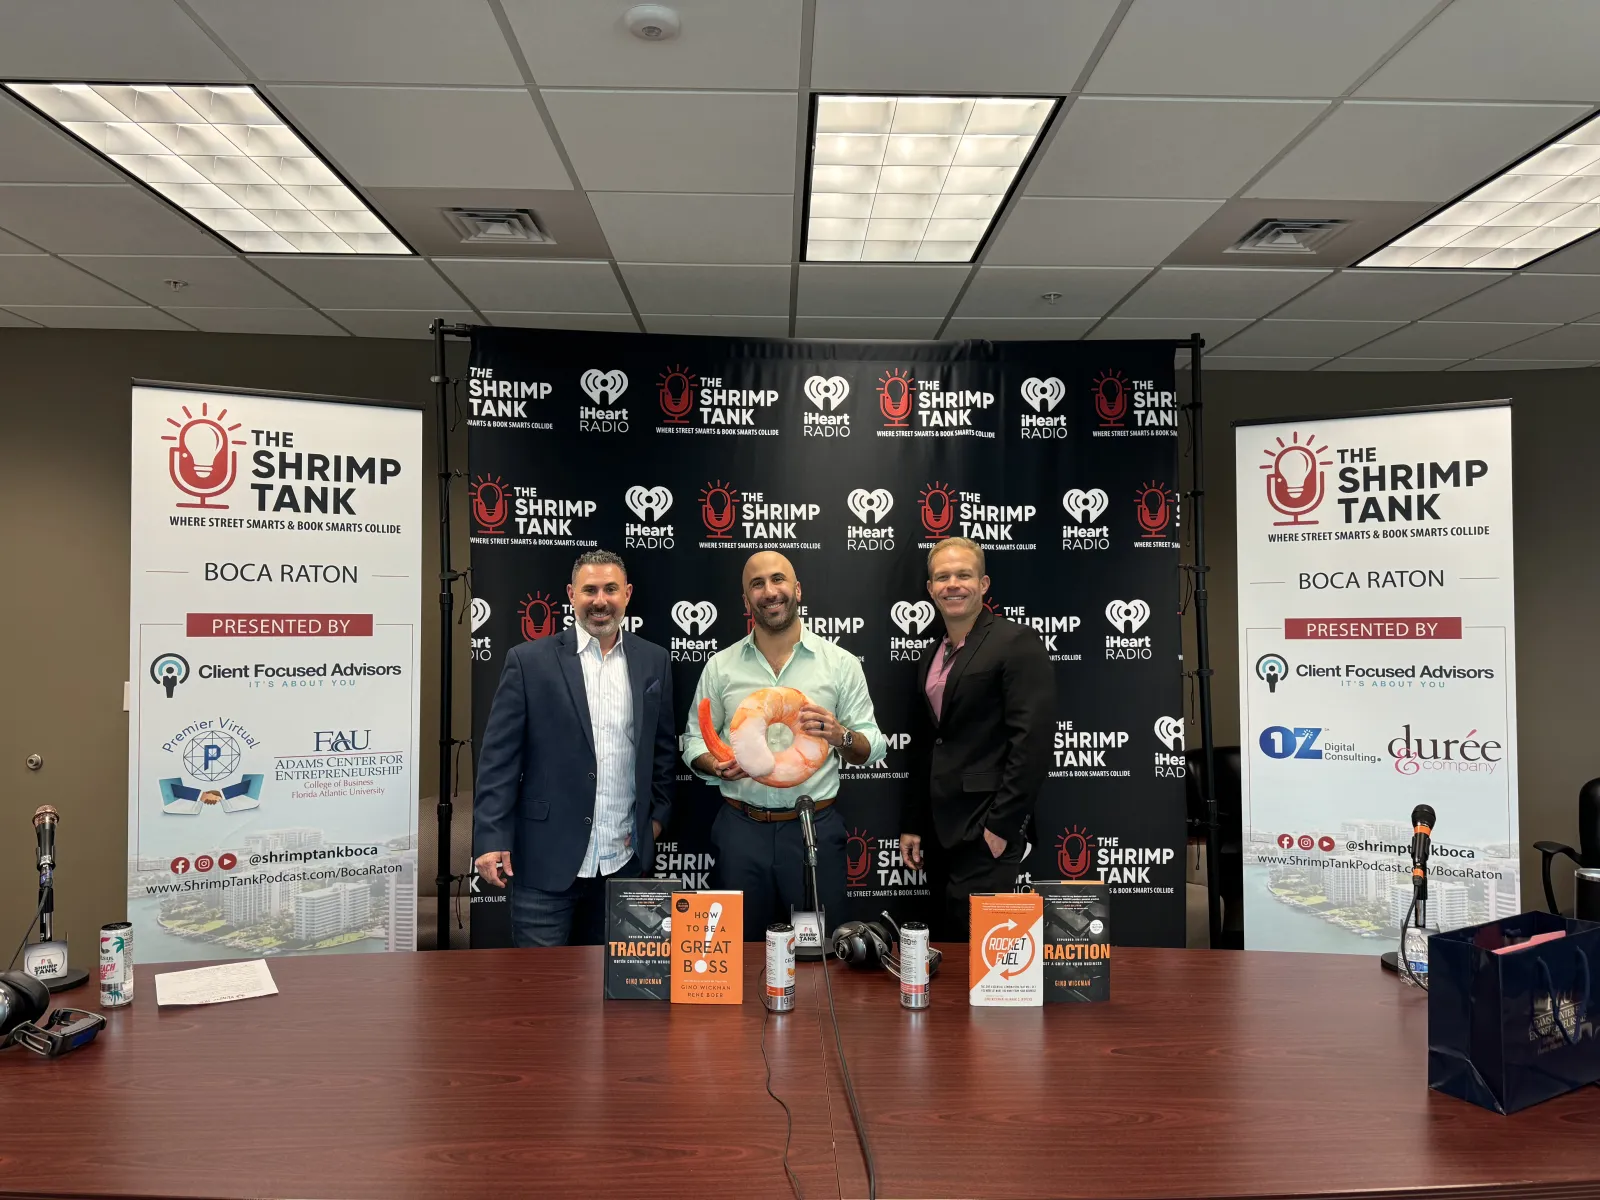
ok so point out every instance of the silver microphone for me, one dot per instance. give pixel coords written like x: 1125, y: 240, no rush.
x: 45, y: 819
x: 808, y: 829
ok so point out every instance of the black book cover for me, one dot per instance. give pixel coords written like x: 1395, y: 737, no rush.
x: 639, y: 938
x: 1077, y: 940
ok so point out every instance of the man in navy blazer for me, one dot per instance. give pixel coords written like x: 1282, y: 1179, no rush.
x: 576, y: 771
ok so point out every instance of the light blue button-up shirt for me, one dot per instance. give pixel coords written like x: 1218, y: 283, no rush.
x: 828, y: 675
x: 605, y: 686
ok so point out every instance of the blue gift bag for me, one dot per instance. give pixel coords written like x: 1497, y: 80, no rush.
x: 1509, y: 1030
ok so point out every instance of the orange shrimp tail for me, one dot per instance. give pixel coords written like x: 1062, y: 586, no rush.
x: 720, y: 750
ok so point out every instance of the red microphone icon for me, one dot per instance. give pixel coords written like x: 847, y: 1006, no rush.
x: 201, y: 465
x: 938, y: 509
x: 857, y: 856
x: 677, y: 394
x: 538, y: 616
x: 1296, y: 483
x: 719, y: 508
x: 1111, y: 398
x: 894, y: 397
x: 489, y: 507
x: 1072, y: 853
x: 1154, y: 509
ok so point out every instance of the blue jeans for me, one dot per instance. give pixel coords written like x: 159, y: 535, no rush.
x: 575, y: 916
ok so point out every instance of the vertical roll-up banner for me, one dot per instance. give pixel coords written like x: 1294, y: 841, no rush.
x: 274, y: 657
x: 1377, y: 673
x: 686, y: 454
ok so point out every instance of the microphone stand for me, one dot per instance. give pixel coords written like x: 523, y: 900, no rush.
x: 68, y: 977
x: 812, y: 896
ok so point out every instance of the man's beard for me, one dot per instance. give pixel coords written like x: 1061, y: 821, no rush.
x: 600, y: 626
x: 786, y: 618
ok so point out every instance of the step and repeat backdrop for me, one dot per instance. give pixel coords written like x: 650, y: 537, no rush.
x: 685, y: 455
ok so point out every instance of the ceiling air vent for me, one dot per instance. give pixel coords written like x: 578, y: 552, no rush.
x: 1297, y: 236
x: 501, y: 226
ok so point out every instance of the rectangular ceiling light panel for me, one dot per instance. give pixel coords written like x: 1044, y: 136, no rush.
x: 1546, y: 201
x: 914, y: 178
x: 225, y: 157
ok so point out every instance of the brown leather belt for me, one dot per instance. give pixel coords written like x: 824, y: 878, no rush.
x: 769, y: 814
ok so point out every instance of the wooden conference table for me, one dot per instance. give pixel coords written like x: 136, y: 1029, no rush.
x: 502, y: 1073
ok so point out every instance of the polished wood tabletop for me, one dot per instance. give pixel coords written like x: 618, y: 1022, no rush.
x: 503, y: 1073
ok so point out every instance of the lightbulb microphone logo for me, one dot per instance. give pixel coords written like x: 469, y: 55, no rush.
x: 1154, y: 507
x: 719, y: 508
x: 992, y: 603
x: 938, y: 508
x: 1127, y: 616
x: 200, y: 464
x: 1110, y: 398
x: 1296, y: 483
x: 1042, y: 395
x: 490, y: 508
x: 169, y: 670
x: 537, y: 616
x: 1085, y: 507
x: 894, y: 397
x: 1074, y: 853
x: 858, y: 848
x: 677, y: 393
x: 603, y: 387
x: 1272, y: 669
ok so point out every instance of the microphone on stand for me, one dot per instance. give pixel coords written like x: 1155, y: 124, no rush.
x: 46, y: 959
x: 809, y: 924
x: 808, y: 829
x: 1422, y: 819
x: 45, y: 820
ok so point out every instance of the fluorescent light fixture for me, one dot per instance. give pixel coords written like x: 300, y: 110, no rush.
x: 914, y: 178
x: 225, y: 157
x: 1548, y: 200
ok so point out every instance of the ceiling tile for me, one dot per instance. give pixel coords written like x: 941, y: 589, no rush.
x: 735, y: 326
x: 1120, y: 328
x: 1206, y: 149
x: 544, y: 285
x: 68, y: 317
x: 364, y: 41
x: 94, y: 219
x: 1570, y: 341
x: 1302, y: 338
x: 1251, y: 47
x: 352, y: 281
x: 258, y: 320
x: 212, y: 282
x: 1373, y: 150
x: 690, y: 228
x: 1447, y: 339
x: 725, y: 44
x: 1021, y: 291
x: 1005, y: 47
x: 667, y: 288
x: 394, y: 323
x: 15, y: 245
x: 853, y: 328
x: 40, y: 279
x: 1530, y: 298
x: 1216, y: 291
x: 1384, y: 295
x: 1491, y: 50
x: 1017, y: 329
x: 865, y: 290
x: 1224, y: 362
x: 10, y: 320
x: 1367, y: 225
x: 565, y: 215
x: 1580, y: 258
x: 1522, y: 364
x: 643, y: 141
x: 1388, y: 364
x: 1095, y: 233
x: 604, y: 322
x: 34, y: 151
x: 429, y: 137
x: 107, y: 39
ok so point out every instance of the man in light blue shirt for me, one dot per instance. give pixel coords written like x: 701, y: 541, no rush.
x: 758, y: 843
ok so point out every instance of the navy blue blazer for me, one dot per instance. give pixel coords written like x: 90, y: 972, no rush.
x: 535, y: 790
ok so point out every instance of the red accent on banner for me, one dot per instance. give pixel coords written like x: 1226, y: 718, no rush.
x: 1372, y: 629
x: 280, y: 624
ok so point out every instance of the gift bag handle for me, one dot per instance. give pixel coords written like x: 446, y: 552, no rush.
x: 1580, y: 1010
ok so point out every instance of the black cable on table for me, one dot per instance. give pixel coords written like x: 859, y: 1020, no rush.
x: 850, y: 1091
x: 788, y: 1117
x: 28, y: 932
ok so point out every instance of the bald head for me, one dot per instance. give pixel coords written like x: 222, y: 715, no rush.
x: 765, y: 562
x: 771, y: 592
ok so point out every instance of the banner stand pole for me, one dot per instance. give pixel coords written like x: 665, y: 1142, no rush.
x: 447, y: 580
x: 1202, y: 671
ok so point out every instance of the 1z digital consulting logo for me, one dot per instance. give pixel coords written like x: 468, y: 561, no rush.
x: 826, y: 393
x: 1127, y: 617
x: 649, y: 504
x: 695, y: 618
x: 874, y: 863
x: 1085, y: 507
x: 912, y: 618
x: 201, y: 464
x: 604, y: 389
x: 1042, y: 396
x: 870, y: 508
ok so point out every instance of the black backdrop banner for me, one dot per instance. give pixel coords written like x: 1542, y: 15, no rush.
x: 687, y: 454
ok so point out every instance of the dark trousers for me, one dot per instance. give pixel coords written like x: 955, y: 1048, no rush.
x: 575, y: 916
x: 955, y: 872
x: 766, y: 860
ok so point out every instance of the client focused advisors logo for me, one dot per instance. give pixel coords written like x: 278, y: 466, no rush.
x: 1170, y: 764
x: 1075, y: 852
x: 1296, y: 480
x: 201, y: 464
x: 695, y: 618
x: 1042, y: 396
x: 1128, y: 617
x: 211, y: 752
x: 826, y: 393
x: 491, y: 506
x: 873, y: 867
x: 870, y: 508
x: 536, y: 616
x: 676, y: 388
x: 649, y: 505
x: 604, y: 388
x: 1085, y: 508
x: 1272, y: 669
x: 1156, y: 509
x: 938, y: 509
x: 719, y: 509
x: 168, y: 671
x: 912, y: 618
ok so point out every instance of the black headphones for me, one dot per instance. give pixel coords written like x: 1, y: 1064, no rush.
x: 22, y: 998
x: 862, y: 944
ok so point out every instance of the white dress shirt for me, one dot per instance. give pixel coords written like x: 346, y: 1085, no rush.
x: 605, y: 684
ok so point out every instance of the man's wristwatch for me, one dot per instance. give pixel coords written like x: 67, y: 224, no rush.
x: 848, y: 739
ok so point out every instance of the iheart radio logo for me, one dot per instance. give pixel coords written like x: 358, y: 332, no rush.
x: 603, y: 387
x: 648, y: 504
x: 694, y: 618
x: 1042, y: 395
x: 1085, y: 507
x: 827, y: 392
x: 871, y: 507
x: 1127, y: 616
x: 912, y: 618
x: 1170, y: 731
x: 480, y: 613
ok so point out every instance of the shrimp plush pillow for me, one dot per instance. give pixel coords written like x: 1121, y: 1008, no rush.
x: 751, y: 736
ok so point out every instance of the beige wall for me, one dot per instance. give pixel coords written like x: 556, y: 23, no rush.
x: 64, y: 543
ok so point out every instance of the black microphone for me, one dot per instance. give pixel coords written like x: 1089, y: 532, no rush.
x: 1422, y: 818
x: 808, y: 830
x: 45, y: 819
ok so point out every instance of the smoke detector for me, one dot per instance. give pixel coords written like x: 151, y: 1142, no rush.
x: 501, y: 226
x: 652, y: 22
x: 1297, y: 235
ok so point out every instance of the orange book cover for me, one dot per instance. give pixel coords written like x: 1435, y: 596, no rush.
x: 707, y: 947
x: 1007, y: 964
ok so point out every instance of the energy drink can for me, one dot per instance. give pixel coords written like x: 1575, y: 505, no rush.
x: 116, y: 964
x: 913, y: 965
x: 778, y: 995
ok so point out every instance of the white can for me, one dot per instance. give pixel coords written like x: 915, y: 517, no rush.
x: 778, y: 995
x: 913, y: 965
x: 116, y: 964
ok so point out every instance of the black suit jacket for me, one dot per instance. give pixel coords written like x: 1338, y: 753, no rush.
x: 535, y: 791
x: 981, y: 765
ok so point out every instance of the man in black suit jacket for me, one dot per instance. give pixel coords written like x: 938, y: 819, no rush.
x: 980, y: 742
x: 576, y: 771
